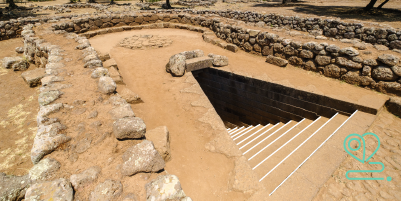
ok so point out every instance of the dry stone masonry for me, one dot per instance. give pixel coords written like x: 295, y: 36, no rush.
x: 40, y: 183
x: 150, y: 155
x: 330, y: 60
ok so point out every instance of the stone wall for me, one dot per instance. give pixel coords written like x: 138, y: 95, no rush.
x: 316, y: 26
x: 331, y: 28
x: 382, y: 73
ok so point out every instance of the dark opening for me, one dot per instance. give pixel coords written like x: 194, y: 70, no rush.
x: 242, y: 101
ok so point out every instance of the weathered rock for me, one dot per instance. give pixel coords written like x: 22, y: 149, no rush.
x: 198, y: 63
x: 309, y: 45
x: 115, y: 75
x: 15, y: 63
x: 161, y: 140
x: 389, y: 88
x: 13, y: 188
x: 176, y: 65
x: 367, y: 71
x: 232, y: 48
x: 267, y: 50
x: 306, y: 54
x: 48, y: 80
x: 332, y: 48
x: 47, y: 110
x: 164, y: 187
x: 92, y: 115
x: 54, y: 59
x: 218, y: 60
x: 93, y: 64
x: 322, y: 60
x: 389, y: 59
x: 86, y: 177
x: 349, y: 51
x: 384, y: 73
x: 44, y: 170
x: 332, y: 71
x: 129, y: 128
x: 192, y: 54
x: 276, y: 61
x: 107, y: 85
x: 253, y: 33
x: 59, y: 190
x: 396, y: 70
x: 351, y: 77
x: 19, y: 50
x: 142, y: 157
x: 116, y: 100
x: 370, y: 62
x: 396, y: 44
x: 290, y: 51
x: 33, y: 77
x: 108, y: 190
x: 100, y: 72
x: 348, y: 63
x: 309, y: 65
x: 47, y: 140
x: 121, y: 112
x: 110, y: 63
x: 48, y: 97
x: 394, y: 105
x: 90, y: 58
x: 295, y: 61
x: 130, y: 96
x: 104, y: 57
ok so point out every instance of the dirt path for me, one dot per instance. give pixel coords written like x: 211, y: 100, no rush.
x: 204, y: 175
x: 19, y: 107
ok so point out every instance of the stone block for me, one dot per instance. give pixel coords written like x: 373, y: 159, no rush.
x: 276, y: 61
x: 33, y: 77
x: 232, y: 48
x: 198, y: 63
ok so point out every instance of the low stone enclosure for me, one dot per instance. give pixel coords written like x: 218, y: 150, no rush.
x: 381, y: 73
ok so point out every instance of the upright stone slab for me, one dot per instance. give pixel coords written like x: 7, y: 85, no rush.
x: 198, y: 63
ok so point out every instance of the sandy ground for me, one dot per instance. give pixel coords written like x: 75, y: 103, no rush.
x: 159, y: 106
x: 204, y: 175
x: 19, y: 107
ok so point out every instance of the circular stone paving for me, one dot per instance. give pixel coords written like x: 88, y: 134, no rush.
x: 145, y: 42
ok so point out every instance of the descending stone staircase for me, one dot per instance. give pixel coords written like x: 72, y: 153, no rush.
x: 276, y: 151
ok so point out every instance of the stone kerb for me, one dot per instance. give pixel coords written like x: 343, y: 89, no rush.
x: 381, y: 73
